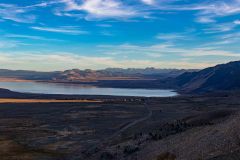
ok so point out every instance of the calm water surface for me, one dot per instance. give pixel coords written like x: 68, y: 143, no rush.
x: 52, y: 88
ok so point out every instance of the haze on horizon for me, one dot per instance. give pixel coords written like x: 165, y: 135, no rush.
x: 47, y: 35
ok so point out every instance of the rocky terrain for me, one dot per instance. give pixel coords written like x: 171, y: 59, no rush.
x: 126, y: 128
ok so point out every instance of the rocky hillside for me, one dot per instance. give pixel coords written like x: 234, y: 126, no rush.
x: 92, y: 75
x: 224, y: 77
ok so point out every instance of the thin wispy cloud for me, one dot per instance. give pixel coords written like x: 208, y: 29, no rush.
x: 104, y: 25
x: 7, y: 44
x: 19, y: 13
x: 221, y: 27
x: 15, y: 13
x: 160, y: 50
x: 172, y: 36
x: 207, y: 11
x: 205, y: 19
x: 222, y: 8
x: 20, y: 36
x: 64, y: 30
x: 200, y: 52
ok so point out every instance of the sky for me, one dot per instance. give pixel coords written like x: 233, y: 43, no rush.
x: 47, y: 35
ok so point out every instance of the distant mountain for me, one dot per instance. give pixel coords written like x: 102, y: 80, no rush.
x: 27, y: 75
x: 111, y: 74
x: 224, y: 77
x: 149, y: 71
x: 77, y: 75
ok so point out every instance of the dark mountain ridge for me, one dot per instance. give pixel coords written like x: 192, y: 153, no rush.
x: 149, y: 71
x: 27, y: 75
x: 223, y: 77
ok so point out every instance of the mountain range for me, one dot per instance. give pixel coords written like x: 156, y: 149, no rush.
x: 77, y: 75
x: 223, y: 77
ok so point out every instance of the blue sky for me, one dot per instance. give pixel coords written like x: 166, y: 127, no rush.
x: 62, y: 34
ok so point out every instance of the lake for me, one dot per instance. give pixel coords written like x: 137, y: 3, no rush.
x: 73, y: 89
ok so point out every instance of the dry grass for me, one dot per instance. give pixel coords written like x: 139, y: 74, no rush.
x: 166, y: 156
x: 9, y: 79
x: 12, y: 100
x: 10, y: 150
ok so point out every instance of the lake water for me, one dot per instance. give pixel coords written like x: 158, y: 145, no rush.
x: 70, y: 89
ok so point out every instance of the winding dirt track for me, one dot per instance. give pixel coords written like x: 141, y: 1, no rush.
x: 104, y: 143
x: 133, y: 123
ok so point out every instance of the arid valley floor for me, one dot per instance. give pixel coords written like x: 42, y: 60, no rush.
x: 134, y: 128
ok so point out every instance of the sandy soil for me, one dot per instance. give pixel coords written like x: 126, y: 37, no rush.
x: 12, y: 100
x: 9, y: 79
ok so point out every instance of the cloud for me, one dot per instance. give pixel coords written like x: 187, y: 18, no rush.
x: 160, y: 50
x: 237, y: 22
x: 7, y: 44
x: 100, y: 9
x: 104, y: 25
x: 15, y: 13
x: 20, y: 36
x: 222, y: 8
x: 22, y: 14
x: 216, y: 9
x: 200, y: 52
x: 72, y: 30
x: 205, y: 19
x: 63, y: 61
x: 207, y: 11
x: 221, y: 27
x: 148, y: 2
x: 129, y: 50
x: 223, y: 40
x: 172, y: 36
x: 43, y: 4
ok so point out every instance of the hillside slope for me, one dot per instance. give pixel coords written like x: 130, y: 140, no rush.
x: 224, y: 77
